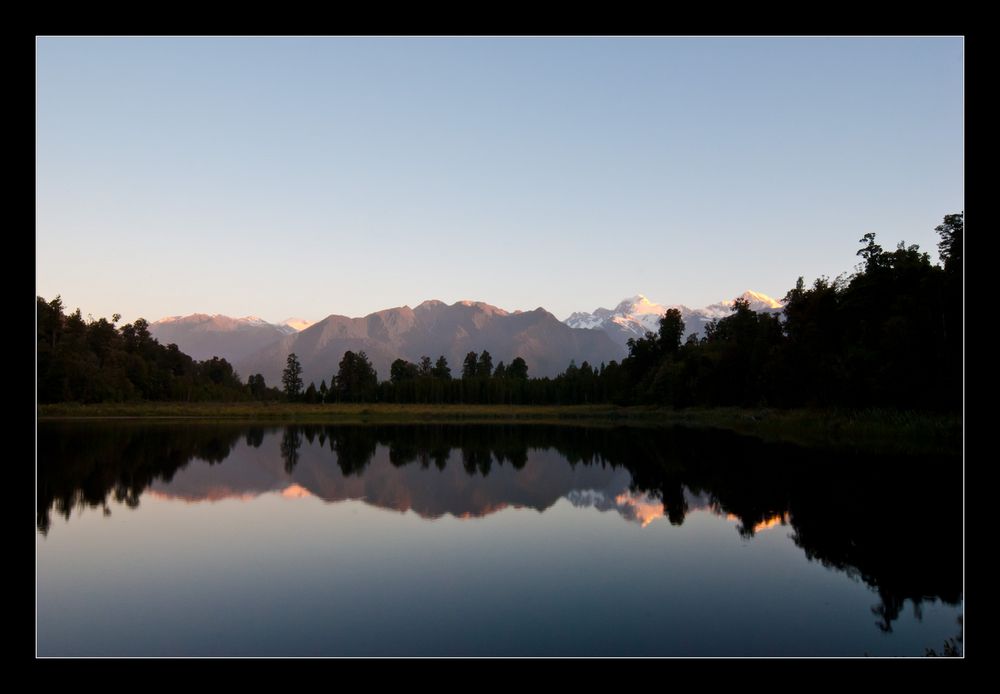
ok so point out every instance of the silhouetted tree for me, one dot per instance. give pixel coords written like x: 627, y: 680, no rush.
x: 950, y: 248
x: 441, y: 369
x: 484, y: 367
x: 424, y: 368
x: 469, y: 366
x: 356, y: 379
x: 402, y: 370
x: 518, y: 369
x: 871, y: 253
x: 950, y: 245
x: 256, y: 386
x: 291, y: 378
x: 671, y: 330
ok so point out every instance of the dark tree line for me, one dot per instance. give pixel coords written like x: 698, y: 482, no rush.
x: 97, y: 361
x: 355, y: 381
x: 425, y: 382
x: 479, y: 381
x: 890, y: 335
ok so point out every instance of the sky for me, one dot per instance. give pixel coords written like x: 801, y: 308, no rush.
x: 304, y: 177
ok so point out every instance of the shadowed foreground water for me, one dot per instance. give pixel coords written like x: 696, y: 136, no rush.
x: 228, y: 539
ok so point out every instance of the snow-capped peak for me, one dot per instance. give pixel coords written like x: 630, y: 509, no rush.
x: 294, y: 325
x: 757, y: 300
x: 253, y: 320
x: 217, y: 319
x: 762, y: 299
x: 635, y: 316
x: 641, y: 304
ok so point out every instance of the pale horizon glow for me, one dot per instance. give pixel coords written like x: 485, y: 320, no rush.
x: 305, y: 177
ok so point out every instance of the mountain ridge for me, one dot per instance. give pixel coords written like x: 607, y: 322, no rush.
x: 433, y: 329
x: 634, y: 316
x: 203, y: 336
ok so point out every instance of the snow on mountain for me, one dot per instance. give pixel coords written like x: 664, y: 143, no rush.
x: 252, y: 320
x: 761, y: 303
x: 589, y: 320
x: 293, y: 325
x: 634, y: 316
x: 203, y: 336
x: 631, y: 314
x: 765, y: 301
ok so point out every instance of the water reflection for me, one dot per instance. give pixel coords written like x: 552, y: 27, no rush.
x: 859, y: 514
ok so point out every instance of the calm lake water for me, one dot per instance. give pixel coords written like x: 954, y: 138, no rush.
x: 228, y: 539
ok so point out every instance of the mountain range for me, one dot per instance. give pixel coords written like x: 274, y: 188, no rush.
x: 432, y: 328
x: 632, y: 317
x: 202, y: 336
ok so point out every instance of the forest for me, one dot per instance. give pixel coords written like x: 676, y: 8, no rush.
x: 890, y: 335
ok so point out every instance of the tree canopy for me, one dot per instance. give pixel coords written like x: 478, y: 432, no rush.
x: 97, y: 361
x: 356, y: 379
x: 291, y: 378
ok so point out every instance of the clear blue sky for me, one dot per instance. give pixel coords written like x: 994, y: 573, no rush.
x: 304, y: 177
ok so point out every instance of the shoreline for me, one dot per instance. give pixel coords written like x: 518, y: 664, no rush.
x: 889, y: 430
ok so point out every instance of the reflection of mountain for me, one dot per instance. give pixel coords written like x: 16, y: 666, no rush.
x: 538, y: 485
x: 851, y: 513
x: 638, y: 506
x: 453, y: 491
x: 430, y: 493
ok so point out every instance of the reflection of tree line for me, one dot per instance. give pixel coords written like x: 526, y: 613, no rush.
x: 865, y: 515
x: 84, y: 465
x: 355, y: 446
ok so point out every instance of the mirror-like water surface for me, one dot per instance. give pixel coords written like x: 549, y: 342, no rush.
x: 229, y: 539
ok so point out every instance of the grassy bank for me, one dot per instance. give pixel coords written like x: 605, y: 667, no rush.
x: 333, y: 413
x: 888, y: 430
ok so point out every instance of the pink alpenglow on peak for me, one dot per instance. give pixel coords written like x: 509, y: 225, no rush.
x: 482, y: 306
x: 296, y: 324
x: 635, y: 316
x: 758, y: 299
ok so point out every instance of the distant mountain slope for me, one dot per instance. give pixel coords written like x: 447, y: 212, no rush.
x: 634, y: 316
x: 433, y: 329
x: 202, y: 336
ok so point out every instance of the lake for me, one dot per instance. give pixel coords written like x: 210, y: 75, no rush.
x: 229, y: 539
